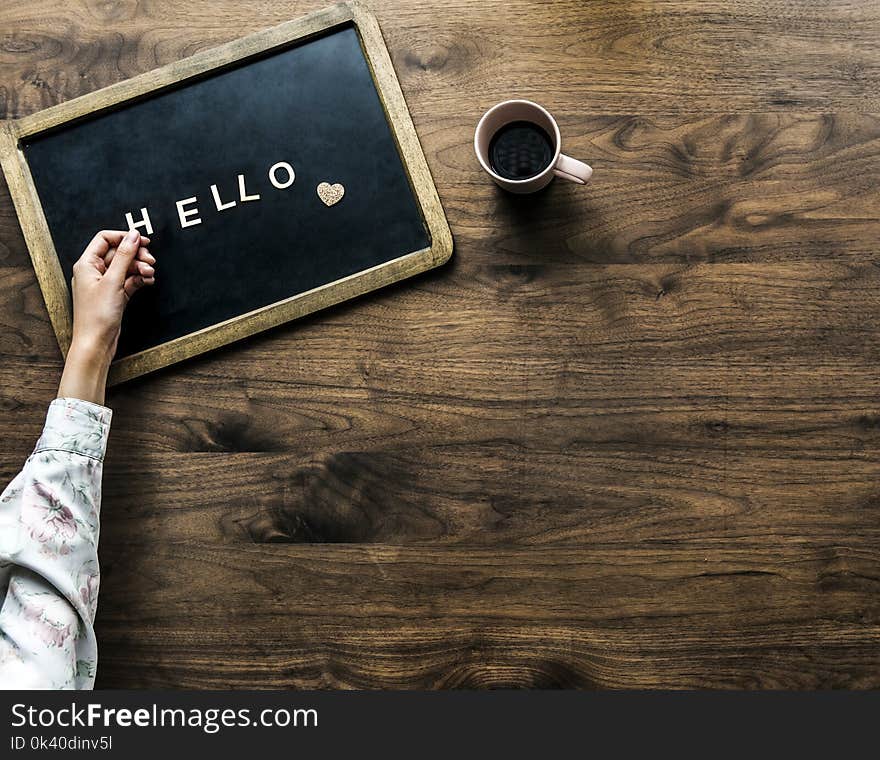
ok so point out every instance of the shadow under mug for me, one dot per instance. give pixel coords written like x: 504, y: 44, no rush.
x: 524, y: 110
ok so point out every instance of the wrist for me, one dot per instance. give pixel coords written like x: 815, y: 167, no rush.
x: 90, y: 352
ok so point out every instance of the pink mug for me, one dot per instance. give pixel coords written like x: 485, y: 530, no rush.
x: 559, y: 165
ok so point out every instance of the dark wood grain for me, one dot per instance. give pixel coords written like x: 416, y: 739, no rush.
x: 629, y: 437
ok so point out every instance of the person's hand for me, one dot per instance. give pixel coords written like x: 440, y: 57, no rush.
x: 114, y: 266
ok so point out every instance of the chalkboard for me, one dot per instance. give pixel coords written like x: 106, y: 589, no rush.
x: 276, y: 175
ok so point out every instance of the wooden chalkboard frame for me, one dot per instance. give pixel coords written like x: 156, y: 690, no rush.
x: 50, y: 276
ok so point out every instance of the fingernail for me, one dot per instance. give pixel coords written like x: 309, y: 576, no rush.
x: 133, y: 236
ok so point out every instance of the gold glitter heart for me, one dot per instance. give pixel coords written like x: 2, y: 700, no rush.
x: 330, y: 194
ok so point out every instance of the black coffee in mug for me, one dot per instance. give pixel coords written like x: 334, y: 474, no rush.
x: 520, y: 149
x: 517, y: 143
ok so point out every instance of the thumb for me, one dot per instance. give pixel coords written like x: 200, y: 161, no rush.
x: 125, y: 253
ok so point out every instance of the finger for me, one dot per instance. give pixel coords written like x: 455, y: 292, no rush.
x: 140, y: 267
x: 92, y: 259
x: 144, y: 269
x: 107, y: 239
x: 134, y: 283
x: 115, y: 237
x: 100, y: 244
x: 143, y: 255
x: 88, y: 265
x: 125, y: 253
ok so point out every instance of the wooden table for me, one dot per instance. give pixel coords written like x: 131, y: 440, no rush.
x: 629, y: 437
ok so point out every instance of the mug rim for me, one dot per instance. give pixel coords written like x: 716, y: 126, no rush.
x: 557, y: 152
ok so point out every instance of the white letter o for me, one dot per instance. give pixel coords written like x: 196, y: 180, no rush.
x: 291, y: 175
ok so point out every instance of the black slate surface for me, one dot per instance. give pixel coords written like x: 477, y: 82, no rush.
x: 314, y: 106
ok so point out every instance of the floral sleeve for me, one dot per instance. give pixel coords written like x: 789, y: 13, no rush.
x: 48, y: 553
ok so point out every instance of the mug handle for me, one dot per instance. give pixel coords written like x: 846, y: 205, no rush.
x: 572, y: 170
